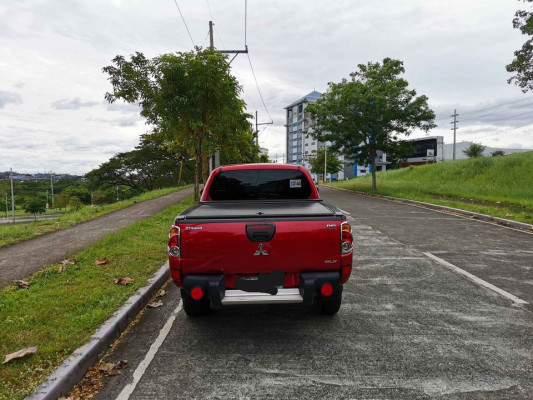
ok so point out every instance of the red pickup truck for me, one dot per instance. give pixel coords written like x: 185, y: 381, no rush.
x: 260, y: 234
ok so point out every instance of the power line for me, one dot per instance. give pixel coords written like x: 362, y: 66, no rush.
x: 259, y: 90
x: 184, y: 23
x: 268, y: 131
x: 206, y: 36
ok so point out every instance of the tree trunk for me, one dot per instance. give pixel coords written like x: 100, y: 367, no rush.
x: 197, y: 158
x: 373, y: 163
x: 205, y: 166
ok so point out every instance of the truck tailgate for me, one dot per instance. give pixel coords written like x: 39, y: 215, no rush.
x: 224, y: 247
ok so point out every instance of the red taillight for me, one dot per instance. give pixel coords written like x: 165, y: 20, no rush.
x: 174, y: 242
x: 326, y: 290
x: 346, y: 238
x: 197, y: 293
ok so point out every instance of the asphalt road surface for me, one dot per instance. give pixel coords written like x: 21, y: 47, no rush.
x: 410, y: 326
x: 22, y: 259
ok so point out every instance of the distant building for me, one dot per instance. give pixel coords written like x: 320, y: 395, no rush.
x: 460, y: 146
x: 301, y: 147
x: 429, y: 149
x: 22, y: 177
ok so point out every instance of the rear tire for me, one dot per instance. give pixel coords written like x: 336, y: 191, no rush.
x: 330, y: 306
x: 195, y: 308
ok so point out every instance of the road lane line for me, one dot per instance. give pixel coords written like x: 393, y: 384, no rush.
x: 145, y: 363
x: 342, y: 211
x: 477, y: 280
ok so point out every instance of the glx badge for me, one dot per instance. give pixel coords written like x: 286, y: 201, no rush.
x: 260, y: 251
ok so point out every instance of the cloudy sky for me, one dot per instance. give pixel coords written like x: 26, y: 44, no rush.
x: 53, y: 116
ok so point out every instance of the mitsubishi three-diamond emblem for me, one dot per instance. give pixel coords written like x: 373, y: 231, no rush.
x: 260, y: 251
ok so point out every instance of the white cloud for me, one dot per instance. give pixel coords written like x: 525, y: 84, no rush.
x: 9, y: 98
x: 74, y: 104
x: 456, y: 55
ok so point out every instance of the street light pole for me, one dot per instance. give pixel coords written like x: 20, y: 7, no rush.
x: 12, y: 195
x: 325, y: 159
x: 52, y: 188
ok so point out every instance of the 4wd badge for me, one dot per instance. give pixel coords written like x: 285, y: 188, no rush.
x: 260, y: 251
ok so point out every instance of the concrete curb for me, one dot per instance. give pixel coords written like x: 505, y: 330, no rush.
x: 72, y: 370
x: 471, y: 214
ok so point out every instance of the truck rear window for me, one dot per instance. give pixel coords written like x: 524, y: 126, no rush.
x: 260, y: 184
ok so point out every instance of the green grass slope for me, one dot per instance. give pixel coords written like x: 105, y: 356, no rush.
x: 498, y: 186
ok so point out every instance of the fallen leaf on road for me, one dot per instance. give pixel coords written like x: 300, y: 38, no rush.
x: 21, y: 353
x: 124, y: 281
x: 103, y: 261
x: 114, y: 373
x: 22, y: 284
x: 156, y: 304
x: 122, y: 364
x: 106, y: 367
x: 161, y: 293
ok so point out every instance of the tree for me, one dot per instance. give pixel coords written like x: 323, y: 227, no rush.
x: 190, y: 98
x: 148, y: 167
x: 497, y: 153
x: 522, y: 64
x: 35, y: 206
x: 61, y: 200
x: 333, y: 164
x: 474, y: 150
x: 75, y: 203
x: 367, y: 113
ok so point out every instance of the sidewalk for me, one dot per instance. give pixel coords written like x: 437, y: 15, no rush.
x: 22, y: 259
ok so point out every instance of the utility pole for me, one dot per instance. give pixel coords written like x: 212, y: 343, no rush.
x: 325, y: 160
x: 236, y: 52
x: 47, y: 203
x: 257, y: 128
x: 117, y: 192
x: 52, y: 187
x: 211, y: 45
x: 7, y: 209
x: 454, y: 129
x: 12, y: 195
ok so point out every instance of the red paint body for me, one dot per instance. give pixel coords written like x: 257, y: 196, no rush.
x: 215, y: 246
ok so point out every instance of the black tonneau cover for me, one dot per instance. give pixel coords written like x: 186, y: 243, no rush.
x: 260, y: 209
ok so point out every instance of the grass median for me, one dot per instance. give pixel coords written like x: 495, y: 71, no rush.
x: 60, y: 311
x: 13, y: 233
x: 497, y: 186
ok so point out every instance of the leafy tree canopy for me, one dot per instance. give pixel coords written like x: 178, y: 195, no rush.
x: 189, y: 98
x: 474, y: 150
x: 368, y: 112
x: 148, y: 167
x: 522, y: 65
x: 333, y: 164
x: 35, y: 206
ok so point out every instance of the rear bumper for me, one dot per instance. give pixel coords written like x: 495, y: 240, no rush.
x: 309, y: 289
x: 284, y: 296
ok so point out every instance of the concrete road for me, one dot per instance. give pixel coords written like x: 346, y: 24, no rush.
x: 22, y: 259
x: 409, y: 327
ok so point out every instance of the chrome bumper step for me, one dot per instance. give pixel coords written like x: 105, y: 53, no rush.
x: 291, y: 295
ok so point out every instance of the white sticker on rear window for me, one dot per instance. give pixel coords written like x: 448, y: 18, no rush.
x: 296, y: 183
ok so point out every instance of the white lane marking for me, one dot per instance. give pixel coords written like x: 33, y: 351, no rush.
x: 141, y: 368
x: 342, y: 211
x: 477, y: 280
x: 432, y: 209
